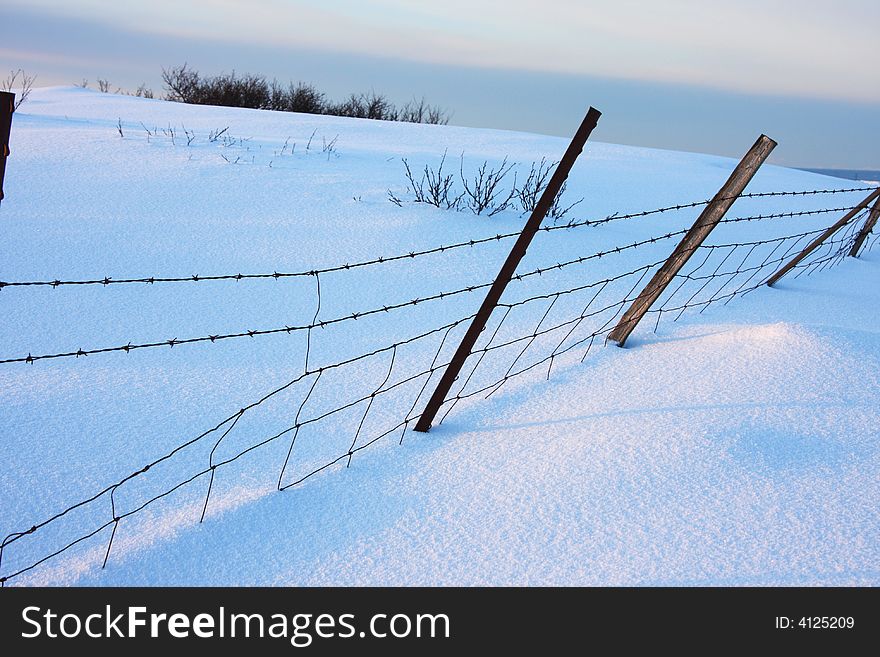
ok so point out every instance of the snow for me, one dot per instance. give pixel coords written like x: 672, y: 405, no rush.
x: 735, y: 446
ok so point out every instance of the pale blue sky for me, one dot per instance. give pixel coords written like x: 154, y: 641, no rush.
x: 684, y: 74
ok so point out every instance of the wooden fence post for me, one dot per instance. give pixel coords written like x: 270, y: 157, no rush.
x: 816, y: 243
x: 708, y: 219
x: 870, y: 222
x: 7, y: 107
x: 508, y: 269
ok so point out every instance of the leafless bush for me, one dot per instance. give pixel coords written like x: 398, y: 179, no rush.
x: 417, y: 186
x: 379, y: 107
x: 484, y: 192
x: 437, y: 116
x: 233, y: 91
x: 352, y: 106
x: 215, y: 135
x: 434, y: 187
x: 364, y: 106
x: 329, y: 147
x: 420, y: 112
x: 143, y: 91
x: 305, y: 98
x: 395, y: 199
x: 533, y: 187
x: 170, y: 133
x: 534, y: 184
x: 181, y: 84
x: 19, y: 83
x: 277, y: 97
x: 557, y: 209
x: 104, y: 86
x: 299, y: 97
x: 228, y: 90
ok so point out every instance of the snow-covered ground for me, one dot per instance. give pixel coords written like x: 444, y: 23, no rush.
x: 734, y: 446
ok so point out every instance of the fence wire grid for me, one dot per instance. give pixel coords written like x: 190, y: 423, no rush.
x: 552, y: 315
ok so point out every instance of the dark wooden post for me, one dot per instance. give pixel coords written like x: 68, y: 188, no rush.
x: 7, y: 107
x: 708, y: 219
x: 508, y: 269
x: 816, y: 243
x: 870, y: 222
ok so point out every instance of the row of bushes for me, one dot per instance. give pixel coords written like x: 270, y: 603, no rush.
x: 485, y: 191
x: 256, y: 92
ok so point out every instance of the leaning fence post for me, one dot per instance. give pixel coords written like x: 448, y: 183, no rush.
x: 708, y: 219
x: 870, y: 222
x: 7, y: 107
x: 508, y: 269
x: 816, y: 243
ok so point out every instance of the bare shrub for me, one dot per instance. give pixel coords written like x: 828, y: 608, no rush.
x: 233, y: 91
x: 433, y: 187
x: 418, y: 111
x: 277, y: 97
x: 484, y: 192
x: 534, y: 184
x: 365, y: 106
x: 352, y: 107
x: 170, y: 133
x: 329, y: 147
x: 378, y: 107
x: 19, y: 83
x: 143, y: 91
x: 215, y: 135
x: 558, y: 210
x: 305, y: 98
x: 533, y: 187
x: 395, y: 199
x: 181, y: 84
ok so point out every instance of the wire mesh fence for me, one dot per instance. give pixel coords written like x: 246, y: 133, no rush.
x: 552, y: 316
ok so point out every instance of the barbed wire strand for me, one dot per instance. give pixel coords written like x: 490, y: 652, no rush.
x: 381, y: 260
x: 810, y: 265
x: 288, y: 329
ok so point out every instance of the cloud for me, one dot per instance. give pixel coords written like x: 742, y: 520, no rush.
x: 785, y: 47
x: 39, y: 57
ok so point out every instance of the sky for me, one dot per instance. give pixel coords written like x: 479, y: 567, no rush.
x: 705, y: 76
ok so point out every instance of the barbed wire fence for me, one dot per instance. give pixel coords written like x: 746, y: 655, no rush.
x: 534, y: 332
x: 381, y: 260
